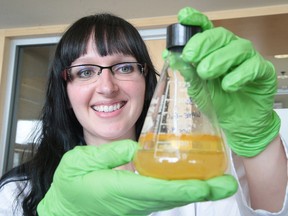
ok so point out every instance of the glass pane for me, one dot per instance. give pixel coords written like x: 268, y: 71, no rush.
x: 32, y: 65
x: 281, y: 99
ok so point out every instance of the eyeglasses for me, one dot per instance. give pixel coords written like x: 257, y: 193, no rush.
x: 89, y: 73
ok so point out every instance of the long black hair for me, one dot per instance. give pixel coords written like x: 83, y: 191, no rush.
x: 61, y: 130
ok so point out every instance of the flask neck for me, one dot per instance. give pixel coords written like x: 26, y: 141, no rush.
x: 176, y: 49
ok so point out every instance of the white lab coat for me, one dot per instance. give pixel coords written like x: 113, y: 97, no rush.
x: 237, y: 205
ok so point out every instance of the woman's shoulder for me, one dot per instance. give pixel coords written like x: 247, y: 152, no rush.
x: 14, y: 176
x: 12, y: 192
x: 13, y: 186
x: 14, y: 182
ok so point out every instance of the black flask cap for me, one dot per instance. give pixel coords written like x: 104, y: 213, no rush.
x: 178, y: 35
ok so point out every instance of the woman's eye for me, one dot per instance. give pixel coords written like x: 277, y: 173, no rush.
x: 125, y: 69
x: 85, y: 73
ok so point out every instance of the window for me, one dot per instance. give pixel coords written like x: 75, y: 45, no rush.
x: 29, y: 63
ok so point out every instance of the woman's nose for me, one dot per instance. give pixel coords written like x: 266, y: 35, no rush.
x: 106, y: 83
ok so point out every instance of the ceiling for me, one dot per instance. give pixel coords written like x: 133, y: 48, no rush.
x: 27, y: 13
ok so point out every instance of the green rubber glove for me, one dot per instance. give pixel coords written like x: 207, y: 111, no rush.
x: 85, y: 183
x: 241, y: 83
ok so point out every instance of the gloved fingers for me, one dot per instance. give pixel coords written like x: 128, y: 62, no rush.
x: 123, y: 183
x: 114, y: 189
x: 204, y: 43
x: 137, y: 187
x: 222, y: 60
x: 191, y: 16
x: 222, y: 187
x: 85, y: 159
x: 256, y: 72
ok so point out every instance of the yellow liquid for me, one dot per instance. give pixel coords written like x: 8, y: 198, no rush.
x: 168, y: 156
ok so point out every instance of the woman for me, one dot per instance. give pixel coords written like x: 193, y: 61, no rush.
x: 100, y: 86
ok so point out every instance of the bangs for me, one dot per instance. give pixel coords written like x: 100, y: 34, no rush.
x: 113, y: 39
x: 111, y: 35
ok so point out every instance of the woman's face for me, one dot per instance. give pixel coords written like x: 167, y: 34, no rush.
x: 108, y: 108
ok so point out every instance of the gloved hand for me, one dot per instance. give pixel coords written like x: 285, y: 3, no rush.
x: 86, y: 184
x: 241, y: 83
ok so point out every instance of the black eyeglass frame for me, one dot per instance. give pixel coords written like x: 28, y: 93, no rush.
x: 66, y: 75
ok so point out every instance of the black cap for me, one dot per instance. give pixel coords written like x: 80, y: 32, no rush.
x: 178, y: 35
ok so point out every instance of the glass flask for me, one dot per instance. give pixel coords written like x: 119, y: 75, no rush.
x: 180, y: 138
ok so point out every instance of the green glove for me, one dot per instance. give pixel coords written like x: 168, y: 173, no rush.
x: 86, y: 184
x: 241, y: 83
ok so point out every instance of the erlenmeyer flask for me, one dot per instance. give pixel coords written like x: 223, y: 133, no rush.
x: 180, y: 138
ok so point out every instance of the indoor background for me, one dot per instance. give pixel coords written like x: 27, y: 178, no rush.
x: 23, y: 65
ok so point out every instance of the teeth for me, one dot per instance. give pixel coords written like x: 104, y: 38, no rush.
x: 105, y: 108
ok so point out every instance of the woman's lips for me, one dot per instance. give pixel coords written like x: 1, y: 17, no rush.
x: 109, y: 108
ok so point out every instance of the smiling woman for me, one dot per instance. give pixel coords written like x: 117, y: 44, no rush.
x: 114, y: 101
x: 88, y: 130
x: 109, y: 108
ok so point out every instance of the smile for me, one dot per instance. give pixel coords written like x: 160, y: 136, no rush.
x: 108, y: 108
